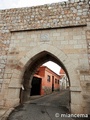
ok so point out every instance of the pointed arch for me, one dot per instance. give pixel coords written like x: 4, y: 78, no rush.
x: 58, y: 53
x: 29, y: 60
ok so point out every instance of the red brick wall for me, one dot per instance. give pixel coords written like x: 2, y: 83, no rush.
x: 46, y: 86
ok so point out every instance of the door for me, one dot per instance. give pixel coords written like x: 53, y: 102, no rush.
x: 36, y: 86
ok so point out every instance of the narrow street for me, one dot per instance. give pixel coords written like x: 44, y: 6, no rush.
x: 49, y: 107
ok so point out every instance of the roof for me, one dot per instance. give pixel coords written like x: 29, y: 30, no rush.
x: 50, y: 70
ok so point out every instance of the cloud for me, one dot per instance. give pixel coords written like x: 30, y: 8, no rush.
x: 23, y: 3
x: 53, y: 66
x: 5, y: 4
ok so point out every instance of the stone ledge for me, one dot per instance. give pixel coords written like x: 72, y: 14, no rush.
x: 4, y: 113
x: 75, y: 89
x: 49, y: 28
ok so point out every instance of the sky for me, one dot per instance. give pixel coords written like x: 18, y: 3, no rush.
x: 53, y: 66
x: 6, y: 4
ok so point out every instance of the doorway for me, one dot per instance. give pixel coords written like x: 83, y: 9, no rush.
x: 31, y: 68
x: 52, y: 83
x: 36, y: 86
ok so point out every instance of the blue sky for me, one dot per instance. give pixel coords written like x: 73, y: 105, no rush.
x: 5, y: 4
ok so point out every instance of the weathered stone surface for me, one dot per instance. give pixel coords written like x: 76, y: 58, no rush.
x: 78, y: 109
x: 47, y: 90
x: 27, y: 32
x: 42, y: 16
x: 2, y: 112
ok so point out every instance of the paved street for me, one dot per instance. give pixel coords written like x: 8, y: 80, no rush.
x: 49, y: 107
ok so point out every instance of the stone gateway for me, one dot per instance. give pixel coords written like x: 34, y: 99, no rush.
x: 59, y: 32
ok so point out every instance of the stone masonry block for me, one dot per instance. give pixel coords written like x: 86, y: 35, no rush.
x: 15, y: 83
x: 1, y: 81
x: 24, y: 60
x: 82, y: 77
x: 76, y: 109
x: 6, y: 81
x: 56, y: 34
x: 74, y: 96
x: 17, y: 71
x: 87, y: 109
x: 75, y: 88
x: 12, y: 102
x: 87, y: 77
x: 13, y: 93
x: 88, y: 34
x: 1, y: 102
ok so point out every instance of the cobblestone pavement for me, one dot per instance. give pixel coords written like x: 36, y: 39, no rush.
x: 49, y: 107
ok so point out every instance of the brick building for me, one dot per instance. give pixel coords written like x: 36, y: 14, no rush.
x: 45, y: 81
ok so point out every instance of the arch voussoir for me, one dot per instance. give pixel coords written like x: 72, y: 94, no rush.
x: 28, y: 58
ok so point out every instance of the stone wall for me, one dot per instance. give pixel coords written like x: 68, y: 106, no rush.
x: 47, y: 90
x: 71, y: 41
x: 62, y: 29
x: 64, y: 14
x: 5, y: 37
x: 71, y: 13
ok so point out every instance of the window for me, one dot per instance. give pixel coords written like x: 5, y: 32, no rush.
x: 55, y: 80
x: 48, y: 78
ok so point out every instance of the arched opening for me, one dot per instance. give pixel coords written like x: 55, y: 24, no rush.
x: 31, y: 67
